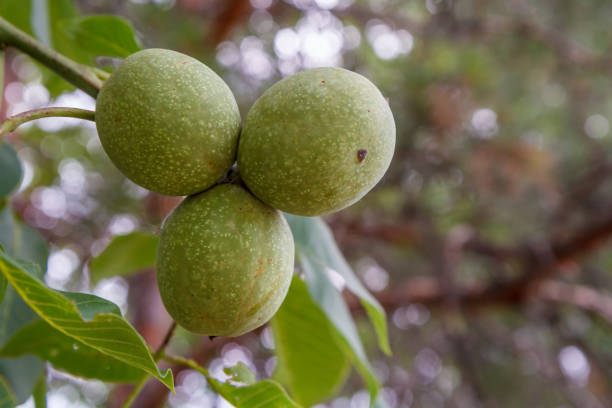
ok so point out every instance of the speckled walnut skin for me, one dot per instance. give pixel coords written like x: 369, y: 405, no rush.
x: 224, y: 262
x: 316, y: 141
x: 168, y: 122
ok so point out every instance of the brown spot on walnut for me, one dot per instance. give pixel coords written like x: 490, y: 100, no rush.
x: 322, y: 81
x: 361, y: 155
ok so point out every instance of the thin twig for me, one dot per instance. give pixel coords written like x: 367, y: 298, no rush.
x: 194, y: 366
x: 159, y: 353
x: 134, y: 394
x: 13, y: 122
x: 165, y: 342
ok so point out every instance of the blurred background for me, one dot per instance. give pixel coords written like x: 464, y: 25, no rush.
x: 486, y: 241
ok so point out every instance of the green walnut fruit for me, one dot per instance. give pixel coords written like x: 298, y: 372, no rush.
x: 168, y: 122
x: 316, y: 141
x: 224, y: 262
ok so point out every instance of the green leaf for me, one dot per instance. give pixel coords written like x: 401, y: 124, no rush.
x: 240, y: 373
x: 23, y: 242
x: 17, y: 12
x: 263, y: 394
x: 314, y: 241
x: 334, y: 307
x: 40, y: 392
x: 7, y: 400
x: 2, y: 288
x: 10, y: 168
x: 90, y: 305
x: 103, y: 35
x: 317, y: 253
x: 68, y: 354
x: 107, y: 333
x: 125, y: 255
x: 310, y: 360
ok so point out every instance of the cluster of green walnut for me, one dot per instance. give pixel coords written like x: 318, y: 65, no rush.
x: 312, y: 144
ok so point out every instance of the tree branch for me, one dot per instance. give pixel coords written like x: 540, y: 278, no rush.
x: 78, y: 75
x: 581, y: 296
x: 537, y: 268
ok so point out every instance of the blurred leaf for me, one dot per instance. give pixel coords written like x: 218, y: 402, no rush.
x: 106, y: 332
x: 3, y: 60
x: 58, y: 12
x: 22, y: 242
x: 310, y: 360
x: 125, y: 255
x: 2, y: 288
x: 40, y: 392
x: 316, y: 245
x: 263, y: 394
x: 10, y: 168
x: 17, y: 12
x: 67, y: 354
x: 240, y: 373
x: 7, y: 400
x: 103, y: 35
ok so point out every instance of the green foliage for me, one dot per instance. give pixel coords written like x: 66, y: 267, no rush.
x: 250, y: 394
x: 124, y: 256
x: 240, y: 373
x: 316, y: 246
x: 21, y: 242
x: 10, y: 168
x: 318, y: 256
x: 262, y: 394
x: 6, y: 398
x: 40, y: 392
x: 3, y: 284
x: 17, y: 12
x: 106, y: 332
x: 311, y: 360
x: 102, y: 35
x: 68, y: 354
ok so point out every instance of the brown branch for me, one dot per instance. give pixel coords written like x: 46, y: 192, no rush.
x: 538, y: 266
x: 581, y: 296
x: 234, y: 14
